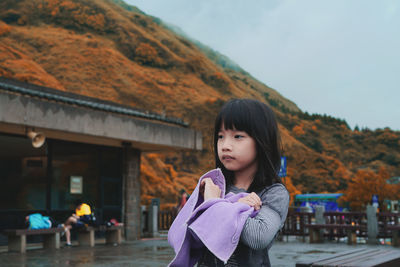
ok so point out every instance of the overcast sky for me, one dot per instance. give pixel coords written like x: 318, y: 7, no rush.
x: 336, y: 57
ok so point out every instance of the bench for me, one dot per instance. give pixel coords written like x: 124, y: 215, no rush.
x: 113, y: 234
x: 317, y: 237
x: 17, y: 238
x: 358, y: 257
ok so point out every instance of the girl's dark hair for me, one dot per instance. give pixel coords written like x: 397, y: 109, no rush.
x: 257, y: 120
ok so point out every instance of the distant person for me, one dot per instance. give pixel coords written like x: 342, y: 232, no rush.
x: 81, y: 217
x: 183, y: 196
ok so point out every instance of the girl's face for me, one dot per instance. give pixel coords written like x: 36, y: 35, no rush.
x: 237, y: 151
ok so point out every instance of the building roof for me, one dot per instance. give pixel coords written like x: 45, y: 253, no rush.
x: 47, y: 93
x: 71, y: 117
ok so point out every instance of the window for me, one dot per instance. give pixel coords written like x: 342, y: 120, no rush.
x: 22, y: 174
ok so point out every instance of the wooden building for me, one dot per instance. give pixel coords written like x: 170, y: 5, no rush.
x: 91, y: 151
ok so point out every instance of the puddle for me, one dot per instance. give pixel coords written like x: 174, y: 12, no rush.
x: 317, y: 251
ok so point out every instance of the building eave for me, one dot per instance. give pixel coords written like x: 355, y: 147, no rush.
x: 65, y: 121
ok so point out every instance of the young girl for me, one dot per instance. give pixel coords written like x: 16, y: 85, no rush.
x: 248, y: 151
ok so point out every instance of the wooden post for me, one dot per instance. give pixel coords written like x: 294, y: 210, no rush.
x: 395, y: 238
x: 351, y: 237
x: 314, y: 235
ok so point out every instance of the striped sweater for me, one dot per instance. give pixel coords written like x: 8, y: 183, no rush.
x: 259, y: 232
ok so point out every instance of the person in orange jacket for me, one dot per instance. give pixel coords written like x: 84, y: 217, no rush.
x: 81, y: 217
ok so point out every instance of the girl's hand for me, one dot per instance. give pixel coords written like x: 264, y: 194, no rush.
x: 253, y: 200
x: 209, y: 189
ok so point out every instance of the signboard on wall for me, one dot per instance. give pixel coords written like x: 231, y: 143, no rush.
x: 76, y: 184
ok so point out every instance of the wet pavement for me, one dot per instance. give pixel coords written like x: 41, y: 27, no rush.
x: 136, y: 253
x: 283, y: 254
x: 156, y: 252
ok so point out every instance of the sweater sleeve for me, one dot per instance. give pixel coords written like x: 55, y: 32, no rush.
x: 260, y: 231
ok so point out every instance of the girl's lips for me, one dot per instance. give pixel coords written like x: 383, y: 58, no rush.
x: 227, y: 158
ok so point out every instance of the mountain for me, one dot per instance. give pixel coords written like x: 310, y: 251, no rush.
x: 113, y: 51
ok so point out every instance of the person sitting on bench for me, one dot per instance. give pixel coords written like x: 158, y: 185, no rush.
x: 81, y: 217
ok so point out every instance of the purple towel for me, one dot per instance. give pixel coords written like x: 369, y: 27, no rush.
x: 215, y: 224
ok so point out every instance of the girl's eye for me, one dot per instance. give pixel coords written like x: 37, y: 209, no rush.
x: 220, y: 136
x: 238, y: 136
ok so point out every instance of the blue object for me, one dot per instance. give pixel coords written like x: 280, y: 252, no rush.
x: 329, y: 201
x: 375, y: 201
x: 38, y: 221
x: 282, y: 170
x: 318, y: 196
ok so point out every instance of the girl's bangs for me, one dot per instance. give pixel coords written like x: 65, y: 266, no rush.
x: 235, y: 117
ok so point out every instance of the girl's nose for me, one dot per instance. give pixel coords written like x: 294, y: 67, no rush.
x: 226, y: 145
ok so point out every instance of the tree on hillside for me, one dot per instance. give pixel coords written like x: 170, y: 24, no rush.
x: 4, y: 28
x: 146, y: 54
x: 293, y: 191
x: 298, y: 129
x: 366, y: 183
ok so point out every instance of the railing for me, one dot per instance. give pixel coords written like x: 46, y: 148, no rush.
x: 346, y: 218
x: 384, y: 220
x: 165, y: 219
x: 352, y: 218
x: 295, y: 222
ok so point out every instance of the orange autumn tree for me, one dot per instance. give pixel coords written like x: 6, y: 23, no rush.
x: 293, y: 190
x: 366, y: 183
x: 4, y: 28
x: 74, y: 14
x: 146, y: 54
x: 298, y: 129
